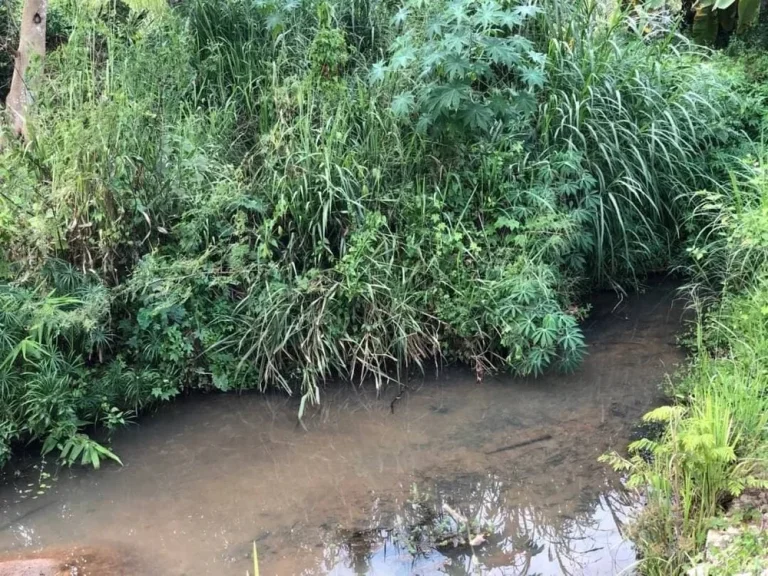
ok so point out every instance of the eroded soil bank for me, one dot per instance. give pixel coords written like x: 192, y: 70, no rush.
x: 207, y: 476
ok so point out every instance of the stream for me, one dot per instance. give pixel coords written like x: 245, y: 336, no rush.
x: 206, y: 476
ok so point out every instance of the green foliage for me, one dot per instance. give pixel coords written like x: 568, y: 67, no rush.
x: 231, y: 194
x: 746, y: 554
x: 9, y: 42
x: 636, y: 116
x: 45, y: 388
x: 715, y: 441
x: 328, y: 50
x: 464, y: 65
x: 705, y: 456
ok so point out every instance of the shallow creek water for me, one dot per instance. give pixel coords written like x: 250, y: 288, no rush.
x: 207, y: 476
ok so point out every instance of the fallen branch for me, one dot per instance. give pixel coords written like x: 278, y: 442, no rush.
x: 521, y: 444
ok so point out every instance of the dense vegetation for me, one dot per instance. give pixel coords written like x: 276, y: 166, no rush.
x: 715, y: 439
x: 230, y: 194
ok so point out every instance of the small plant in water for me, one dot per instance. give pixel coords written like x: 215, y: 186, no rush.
x: 426, y: 527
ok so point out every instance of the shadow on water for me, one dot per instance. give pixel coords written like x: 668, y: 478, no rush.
x: 206, y: 477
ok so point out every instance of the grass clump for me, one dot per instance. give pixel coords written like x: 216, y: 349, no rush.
x: 276, y: 194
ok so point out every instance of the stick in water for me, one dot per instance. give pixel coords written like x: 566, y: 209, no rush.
x: 521, y: 444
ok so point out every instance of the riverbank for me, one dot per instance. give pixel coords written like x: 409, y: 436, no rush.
x: 714, y: 446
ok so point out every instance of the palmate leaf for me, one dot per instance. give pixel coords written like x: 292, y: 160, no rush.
x: 521, y: 43
x: 434, y: 28
x: 512, y: 19
x: 403, y: 104
x: 402, y: 58
x: 400, y: 16
x: 501, y: 51
x: 431, y: 55
x: 544, y: 337
x: 454, y: 43
x: 477, y: 116
x: 457, y: 12
x: 534, y: 77
x: 499, y: 104
x: 537, y: 57
x: 571, y: 340
x: 424, y: 123
x: 527, y: 10
x: 481, y: 70
x: 378, y: 72
x: 448, y: 97
x: 489, y: 15
x: 456, y: 66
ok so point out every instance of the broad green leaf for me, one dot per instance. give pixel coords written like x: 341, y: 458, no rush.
x: 378, y: 72
x: 534, y: 77
x: 447, y: 97
x: 454, y: 43
x: 527, y: 10
x: 402, y: 58
x: 434, y: 28
x: 722, y: 4
x: 275, y: 21
x: 477, y: 116
x: 512, y: 19
x: 456, y: 66
x: 456, y: 12
x: 501, y: 51
x: 748, y: 13
x: 521, y: 43
x: 403, y: 104
x: 537, y: 57
x: 488, y: 15
x: 400, y: 16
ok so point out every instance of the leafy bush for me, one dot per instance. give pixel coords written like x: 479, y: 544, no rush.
x: 466, y: 64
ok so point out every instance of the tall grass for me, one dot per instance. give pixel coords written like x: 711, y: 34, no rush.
x: 639, y: 116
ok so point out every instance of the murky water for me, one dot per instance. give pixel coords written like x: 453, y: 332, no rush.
x: 208, y: 476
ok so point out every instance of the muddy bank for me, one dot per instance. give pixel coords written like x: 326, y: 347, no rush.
x: 206, y: 477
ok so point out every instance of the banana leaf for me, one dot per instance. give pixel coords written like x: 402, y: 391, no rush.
x: 728, y: 17
x: 705, y: 25
x: 748, y: 12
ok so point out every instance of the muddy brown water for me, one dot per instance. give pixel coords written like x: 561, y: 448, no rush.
x: 207, y: 476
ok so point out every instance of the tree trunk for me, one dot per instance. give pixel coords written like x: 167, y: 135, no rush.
x: 31, y: 43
